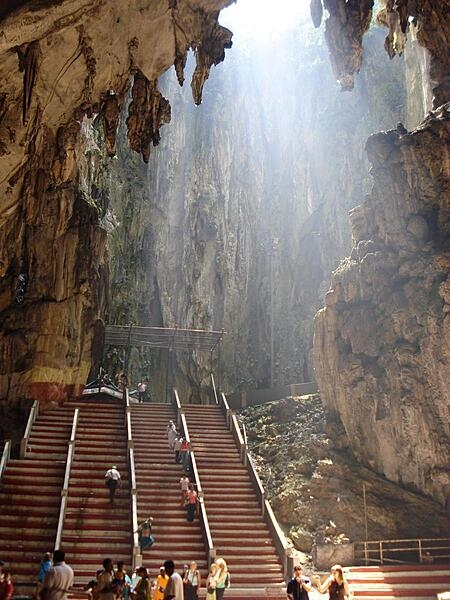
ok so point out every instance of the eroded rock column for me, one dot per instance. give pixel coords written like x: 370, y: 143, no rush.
x: 382, y: 342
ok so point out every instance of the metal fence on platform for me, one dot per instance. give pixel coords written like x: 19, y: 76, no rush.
x: 402, y: 551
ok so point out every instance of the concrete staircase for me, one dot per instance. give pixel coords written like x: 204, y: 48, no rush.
x: 239, y: 532
x: 30, y: 496
x: 157, y: 482
x: 414, y: 582
x: 94, y: 528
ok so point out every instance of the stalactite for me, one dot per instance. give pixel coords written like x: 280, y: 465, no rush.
x: 29, y: 58
x: 148, y: 111
x: 208, y: 52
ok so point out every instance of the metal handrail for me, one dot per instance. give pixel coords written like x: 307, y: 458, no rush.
x: 134, y: 519
x: 266, y: 510
x: 137, y: 558
x: 34, y: 411
x: 223, y: 403
x: 213, y: 385
x: 211, y: 551
x: 242, y: 446
x: 129, y: 435
x: 178, y: 407
x: 65, y: 488
x: 279, y: 539
x: 374, y: 551
x: 6, y: 455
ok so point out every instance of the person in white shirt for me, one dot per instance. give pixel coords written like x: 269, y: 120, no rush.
x: 58, y: 580
x: 142, y: 390
x: 174, y: 589
x: 112, y: 480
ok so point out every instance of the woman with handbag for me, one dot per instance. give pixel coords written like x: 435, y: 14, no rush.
x: 210, y: 584
x: 192, y: 582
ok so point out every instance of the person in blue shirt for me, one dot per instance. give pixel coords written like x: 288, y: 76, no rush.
x: 46, y: 563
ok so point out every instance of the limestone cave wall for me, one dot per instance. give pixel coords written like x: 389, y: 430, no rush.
x: 381, y: 343
x: 62, y: 64
x: 242, y: 214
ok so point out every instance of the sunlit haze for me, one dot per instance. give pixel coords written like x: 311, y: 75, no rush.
x: 258, y: 19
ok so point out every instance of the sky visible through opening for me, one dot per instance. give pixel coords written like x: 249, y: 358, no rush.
x: 263, y: 19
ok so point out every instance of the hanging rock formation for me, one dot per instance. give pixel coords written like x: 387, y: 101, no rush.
x: 382, y: 356
x: 63, y: 63
x: 243, y: 212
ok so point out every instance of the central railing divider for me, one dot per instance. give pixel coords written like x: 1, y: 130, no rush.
x: 34, y: 411
x: 137, y: 556
x: 207, y: 538
x: 65, y: 488
x: 6, y: 454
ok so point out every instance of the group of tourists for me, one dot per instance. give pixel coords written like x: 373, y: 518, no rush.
x: 218, y: 580
x: 182, y: 450
x: 56, y: 577
x: 336, y: 585
x: 115, y: 584
x: 180, y: 446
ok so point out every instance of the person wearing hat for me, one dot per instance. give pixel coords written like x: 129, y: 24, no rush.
x: 161, y: 584
x: 112, y: 480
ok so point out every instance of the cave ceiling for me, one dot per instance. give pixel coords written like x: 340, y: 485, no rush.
x: 65, y: 60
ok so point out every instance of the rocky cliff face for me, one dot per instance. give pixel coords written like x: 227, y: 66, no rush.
x: 315, y: 485
x: 246, y: 210
x: 381, y: 343
x: 381, y: 353
x: 62, y: 62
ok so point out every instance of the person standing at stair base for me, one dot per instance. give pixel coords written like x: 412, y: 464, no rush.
x: 161, y: 584
x: 174, y: 589
x: 58, y: 580
x: 192, y: 582
x: 299, y: 586
x: 112, y: 480
x: 45, y: 565
x: 336, y: 584
x: 222, y: 578
x: 6, y: 586
x: 105, y: 589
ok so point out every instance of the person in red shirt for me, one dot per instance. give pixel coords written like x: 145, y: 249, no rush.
x: 191, y: 504
x: 6, y: 586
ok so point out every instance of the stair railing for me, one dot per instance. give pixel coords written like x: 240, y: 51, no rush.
x: 223, y: 403
x: 34, y: 411
x: 6, y: 455
x: 278, y: 537
x: 213, y: 385
x: 137, y: 557
x: 128, y: 420
x: 178, y: 407
x: 65, y: 489
x: 402, y: 551
x: 207, y: 538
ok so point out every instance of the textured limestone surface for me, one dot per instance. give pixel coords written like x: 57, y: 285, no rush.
x: 315, y: 485
x: 346, y: 22
x: 62, y: 63
x: 243, y: 211
x: 382, y: 353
